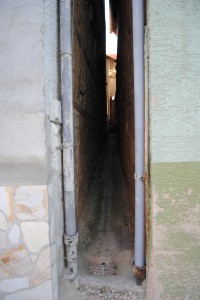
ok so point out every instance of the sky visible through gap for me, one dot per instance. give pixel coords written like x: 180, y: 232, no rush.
x: 111, y: 39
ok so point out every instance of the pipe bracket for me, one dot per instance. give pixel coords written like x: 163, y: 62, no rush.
x: 139, y: 177
x: 65, y: 146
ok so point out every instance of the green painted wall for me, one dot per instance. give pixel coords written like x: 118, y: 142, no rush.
x: 174, y: 264
x: 174, y: 109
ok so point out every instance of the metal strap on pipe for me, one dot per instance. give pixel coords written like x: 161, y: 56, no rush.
x: 138, y: 177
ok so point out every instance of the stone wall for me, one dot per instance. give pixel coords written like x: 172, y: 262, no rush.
x: 173, y: 29
x: 25, y: 264
x: 31, y: 229
x: 125, y: 104
x: 89, y: 91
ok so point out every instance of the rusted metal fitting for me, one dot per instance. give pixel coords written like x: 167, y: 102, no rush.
x: 139, y: 273
x: 71, y: 248
x: 70, y: 276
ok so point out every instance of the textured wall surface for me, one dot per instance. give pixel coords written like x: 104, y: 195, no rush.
x: 174, y: 91
x: 125, y: 109
x: 174, y: 80
x: 22, y: 99
x: 31, y: 258
x: 25, y: 261
x: 89, y: 91
x: 53, y: 141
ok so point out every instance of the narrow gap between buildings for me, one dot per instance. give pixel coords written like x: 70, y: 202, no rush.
x: 106, y: 216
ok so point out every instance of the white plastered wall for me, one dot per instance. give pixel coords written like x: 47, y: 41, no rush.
x: 31, y: 223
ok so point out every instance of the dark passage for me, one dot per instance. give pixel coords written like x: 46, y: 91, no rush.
x: 105, y: 227
x: 104, y: 162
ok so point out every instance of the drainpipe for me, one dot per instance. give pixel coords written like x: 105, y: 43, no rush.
x: 70, y: 235
x: 138, y: 54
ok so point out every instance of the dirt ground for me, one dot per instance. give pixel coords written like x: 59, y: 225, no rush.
x: 106, y: 236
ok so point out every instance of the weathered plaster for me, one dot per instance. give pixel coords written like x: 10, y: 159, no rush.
x: 30, y: 154
x: 174, y: 75
x: 174, y: 92
x: 53, y: 140
x: 22, y: 134
x: 175, y: 233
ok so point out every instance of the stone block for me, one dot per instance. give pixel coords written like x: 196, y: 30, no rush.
x: 14, y: 234
x: 3, y: 222
x: 31, y: 203
x: 33, y: 257
x: 35, y: 234
x: 17, y: 261
x: 41, y: 292
x: 4, y: 272
x: 3, y: 240
x: 42, y: 270
x: 6, y: 203
x: 13, y: 284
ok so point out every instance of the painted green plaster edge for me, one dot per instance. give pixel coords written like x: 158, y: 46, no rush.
x: 174, y: 242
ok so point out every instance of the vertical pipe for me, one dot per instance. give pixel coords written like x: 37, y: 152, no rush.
x: 70, y: 236
x: 138, y: 54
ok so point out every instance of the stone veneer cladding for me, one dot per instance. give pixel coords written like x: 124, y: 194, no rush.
x: 25, y: 261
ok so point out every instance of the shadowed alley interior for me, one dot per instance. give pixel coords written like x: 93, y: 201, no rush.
x: 104, y: 161
x: 105, y: 227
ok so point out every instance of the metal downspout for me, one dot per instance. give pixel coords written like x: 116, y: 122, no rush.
x: 70, y: 235
x: 139, y: 115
